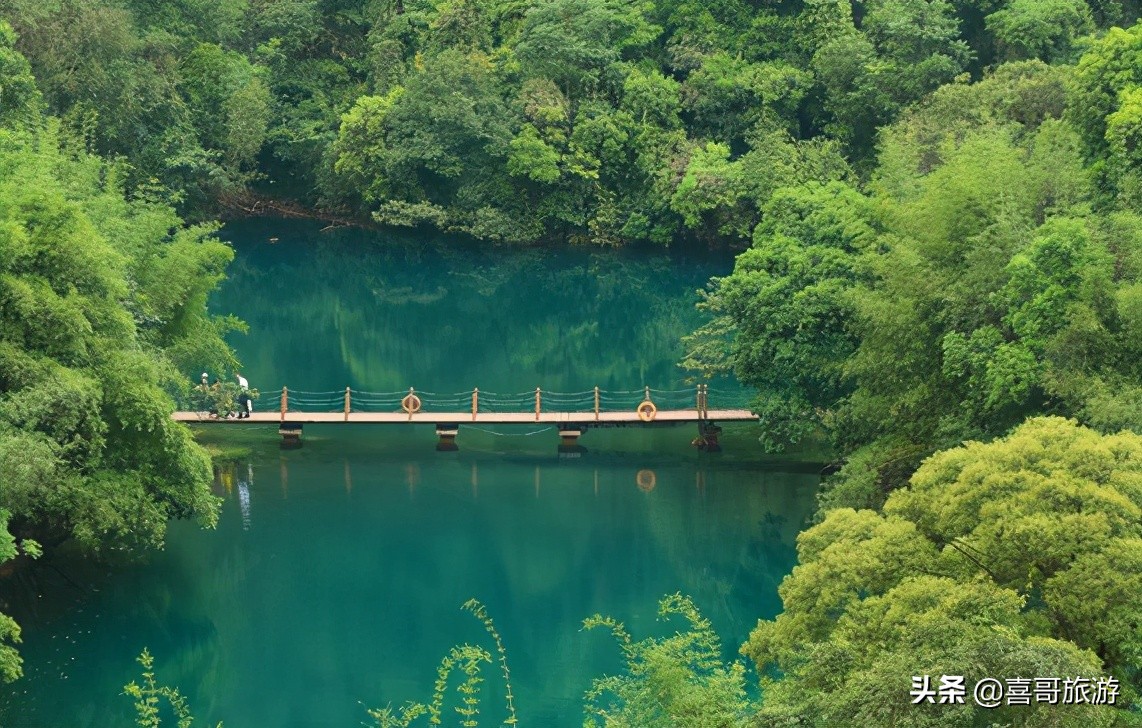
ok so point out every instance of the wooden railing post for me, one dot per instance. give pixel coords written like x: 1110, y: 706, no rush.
x: 698, y: 398
x: 475, y: 402
x: 596, y: 403
x: 347, y: 404
x: 537, y: 404
x: 646, y: 394
x: 285, y: 402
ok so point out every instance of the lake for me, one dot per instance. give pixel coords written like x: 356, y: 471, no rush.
x: 335, y: 579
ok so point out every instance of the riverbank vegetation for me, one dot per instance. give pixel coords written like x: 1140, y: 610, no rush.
x: 102, y: 306
x: 609, y: 121
x: 986, y: 270
x: 938, y: 204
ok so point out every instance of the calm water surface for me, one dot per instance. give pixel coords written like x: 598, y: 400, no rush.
x: 335, y: 579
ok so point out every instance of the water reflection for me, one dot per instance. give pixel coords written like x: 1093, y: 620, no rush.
x: 349, y: 595
x: 340, y: 308
x: 646, y: 480
x: 244, y: 496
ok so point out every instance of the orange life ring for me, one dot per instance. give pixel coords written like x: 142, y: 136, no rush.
x: 646, y: 480
x: 647, y: 411
x: 410, y: 403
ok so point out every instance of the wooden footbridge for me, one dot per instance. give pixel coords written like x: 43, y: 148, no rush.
x: 572, y: 413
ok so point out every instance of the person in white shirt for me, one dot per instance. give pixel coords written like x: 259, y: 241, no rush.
x: 245, y: 404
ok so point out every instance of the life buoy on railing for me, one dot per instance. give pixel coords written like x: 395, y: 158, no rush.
x: 410, y: 403
x: 647, y: 411
x: 646, y: 480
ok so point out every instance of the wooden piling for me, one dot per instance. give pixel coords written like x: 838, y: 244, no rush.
x: 285, y: 402
x: 596, y: 403
x: 347, y: 404
x: 475, y: 402
x: 537, y: 404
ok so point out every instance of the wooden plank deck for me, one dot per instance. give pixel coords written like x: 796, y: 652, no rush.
x: 461, y: 418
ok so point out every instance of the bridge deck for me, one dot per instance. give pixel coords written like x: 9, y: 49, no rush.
x: 487, y: 418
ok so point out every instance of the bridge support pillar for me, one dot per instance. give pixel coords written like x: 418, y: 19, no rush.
x: 569, y: 446
x: 291, y: 435
x: 707, y: 439
x: 447, y: 434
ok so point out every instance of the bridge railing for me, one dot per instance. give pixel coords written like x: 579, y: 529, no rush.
x: 588, y: 402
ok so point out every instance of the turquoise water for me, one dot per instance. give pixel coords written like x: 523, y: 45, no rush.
x: 335, y: 578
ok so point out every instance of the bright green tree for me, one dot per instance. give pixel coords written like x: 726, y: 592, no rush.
x: 788, y: 303
x: 672, y: 681
x: 989, y: 565
x: 100, y: 306
x: 1104, y: 108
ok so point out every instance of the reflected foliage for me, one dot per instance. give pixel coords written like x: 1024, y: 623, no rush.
x: 352, y: 309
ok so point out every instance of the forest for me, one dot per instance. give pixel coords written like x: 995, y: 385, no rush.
x: 937, y: 210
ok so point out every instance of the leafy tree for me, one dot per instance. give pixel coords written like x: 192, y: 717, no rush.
x: 20, y: 100
x: 726, y: 97
x: 1039, y: 29
x: 1103, y: 108
x: 89, y: 444
x: 1023, y: 511
x: 221, y: 99
x: 983, y: 567
x: 151, y: 695
x: 432, y: 138
x: 903, y: 50
x: 787, y: 302
x: 361, y: 150
x: 1027, y: 305
x: 10, y: 661
x: 574, y: 42
x: 92, y: 333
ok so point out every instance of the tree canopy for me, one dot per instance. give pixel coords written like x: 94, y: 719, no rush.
x: 1004, y: 559
x: 102, y: 311
x: 938, y: 208
x: 611, y: 121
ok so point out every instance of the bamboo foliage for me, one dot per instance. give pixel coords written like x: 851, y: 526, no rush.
x: 469, y: 660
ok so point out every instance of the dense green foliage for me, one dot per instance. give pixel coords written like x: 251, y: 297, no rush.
x: 941, y: 203
x: 604, y: 120
x: 983, y: 275
x: 1009, y: 558
x: 987, y: 270
x: 678, y: 680
x: 102, y: 305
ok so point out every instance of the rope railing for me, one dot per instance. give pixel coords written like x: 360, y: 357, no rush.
x: 587, y: 402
